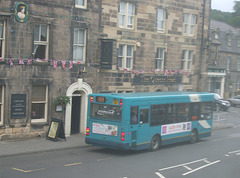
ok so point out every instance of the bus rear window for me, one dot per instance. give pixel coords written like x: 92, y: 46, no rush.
x: 105, y: 111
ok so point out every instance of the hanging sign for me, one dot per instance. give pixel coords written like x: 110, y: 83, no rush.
x: 21, y: 12
x: 156, y: 80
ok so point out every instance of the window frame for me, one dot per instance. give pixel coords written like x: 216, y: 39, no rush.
x: 3, y: 39
x: 161, y: 21
x: 189, y: 28
x: 126, y: 16
x: 80, y: 45
x: 124, y: 56
x: 42, y: 120
x: 229, y: 41
x: 81, y: 6
x: 186, y: 63
x: 228, y: 64
x: 41, y: 43
x: 159, y: 58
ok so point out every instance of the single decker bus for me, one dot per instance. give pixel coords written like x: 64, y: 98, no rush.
x: 136, y: 121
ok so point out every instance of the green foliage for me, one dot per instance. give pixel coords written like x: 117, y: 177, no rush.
x: 232, y: 19
x: 62, y: 100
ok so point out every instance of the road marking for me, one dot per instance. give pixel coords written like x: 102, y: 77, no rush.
x: 184, y: 164
x: 26, y: 171
x: 206, y: 161
x: 234, y: 152
x: 103, y: 159
x: 201, y: 168
x: 73, y: 164
x: 188, y: 168
x: 159, y: 175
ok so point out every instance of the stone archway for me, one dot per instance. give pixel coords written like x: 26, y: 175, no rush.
x: 85, y: 90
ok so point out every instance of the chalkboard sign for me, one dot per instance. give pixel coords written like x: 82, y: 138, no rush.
x: 18, y: 106
x: 56, y: 130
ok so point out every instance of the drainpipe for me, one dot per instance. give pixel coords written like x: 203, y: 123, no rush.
x: 202, y: 46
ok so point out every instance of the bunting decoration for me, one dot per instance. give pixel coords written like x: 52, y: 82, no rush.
x: 10, y: 62
x: 64, y: 64
x: 55, y: 64
x: 21, y: 62
x: 29, y: 62
x: 166, y: 72
x: 70, y: 65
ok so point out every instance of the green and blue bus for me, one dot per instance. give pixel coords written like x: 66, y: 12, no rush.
x: 136, y: 121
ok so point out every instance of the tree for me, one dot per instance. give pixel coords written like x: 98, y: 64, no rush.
x: 232, y: 19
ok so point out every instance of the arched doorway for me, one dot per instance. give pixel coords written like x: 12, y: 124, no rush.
x: 76, y: 111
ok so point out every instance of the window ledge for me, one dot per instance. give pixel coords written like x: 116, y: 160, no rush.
x: 39, y: 123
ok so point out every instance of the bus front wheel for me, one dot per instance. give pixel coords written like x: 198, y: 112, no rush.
x: 155, y: 143
x: 194, y: 136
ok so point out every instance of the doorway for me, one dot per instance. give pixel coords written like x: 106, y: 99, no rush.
x: 76, y: 113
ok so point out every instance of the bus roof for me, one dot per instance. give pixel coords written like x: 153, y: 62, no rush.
x: 150, y: 94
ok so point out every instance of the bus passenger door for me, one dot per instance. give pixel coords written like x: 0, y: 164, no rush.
x: 143, y: 125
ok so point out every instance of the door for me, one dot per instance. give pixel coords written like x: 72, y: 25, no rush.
x: 143, y: 125
x: 76, y: 112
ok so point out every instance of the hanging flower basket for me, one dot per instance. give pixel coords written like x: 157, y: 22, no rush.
x: 62, y: 100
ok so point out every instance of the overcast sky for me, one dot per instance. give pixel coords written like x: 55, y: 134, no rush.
x: 223, y: 5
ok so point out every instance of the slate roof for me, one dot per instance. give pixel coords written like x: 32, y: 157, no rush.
x: 224, y: 31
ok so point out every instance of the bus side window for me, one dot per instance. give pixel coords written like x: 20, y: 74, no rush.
x: 206, y: 110
x: 134, y: 116
x: 194, y: 111
x: 144, y: 116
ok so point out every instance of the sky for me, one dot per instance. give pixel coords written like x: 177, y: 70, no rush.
x: 223, y: 5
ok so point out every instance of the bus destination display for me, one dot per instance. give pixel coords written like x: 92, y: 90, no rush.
x: 101, y: 99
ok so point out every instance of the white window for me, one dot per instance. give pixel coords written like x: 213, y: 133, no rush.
x: 229, y: 41
x: 39, y: 103
x: 161, y: 16
x: 160, y: 58
x: 228, y: 63
x: 216, y: 36
x: 189, y: 24
x: 125, y: 56
x: 81, y: 4
x: 41, y: 41
x: 126, y: 15
x: 79, y: 44
x: 1, y: 104
x: 238, y: 65
x: 238, y: 43
x: 187, y: 57
x: 2, y: 38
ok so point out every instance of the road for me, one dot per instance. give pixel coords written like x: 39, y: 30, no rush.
x: 217, y: 156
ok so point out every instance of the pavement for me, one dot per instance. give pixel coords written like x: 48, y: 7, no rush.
x: 32, y: 146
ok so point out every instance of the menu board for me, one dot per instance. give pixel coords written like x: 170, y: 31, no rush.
x: 18, y: 106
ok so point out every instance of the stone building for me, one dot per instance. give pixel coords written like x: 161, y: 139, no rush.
x: 74, y: 48
x: 224, y: 60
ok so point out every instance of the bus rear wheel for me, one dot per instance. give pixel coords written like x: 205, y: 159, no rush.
x: 194, y: 136
x: 155, y: 143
